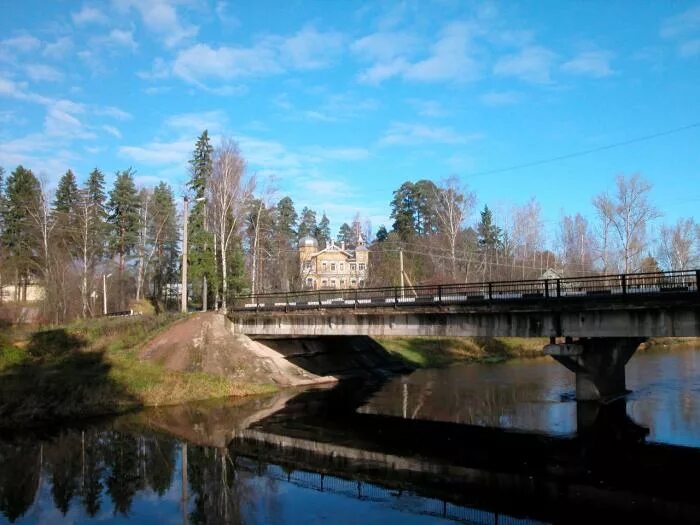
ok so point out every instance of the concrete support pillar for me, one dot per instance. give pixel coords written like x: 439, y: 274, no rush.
x: 599, y: 365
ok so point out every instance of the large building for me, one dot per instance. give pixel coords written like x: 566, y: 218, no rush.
x: 334, y: 266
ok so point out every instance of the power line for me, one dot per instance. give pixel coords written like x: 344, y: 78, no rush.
x: 581, y: 153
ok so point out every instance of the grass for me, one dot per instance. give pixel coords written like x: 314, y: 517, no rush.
x: 91, y: 368
x: 431, y: 352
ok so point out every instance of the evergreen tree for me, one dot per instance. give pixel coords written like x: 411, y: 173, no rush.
x: 95, y: 191
x: 323, y: 232
x: 200, y: 255
x: 345, y: 234
x: 286, y: 220
x: 490, y: 236
x: 20, y: 237
x: 64, y: 209
x: 382, y: 234
x: 307, y: 225
x: 403, y: 211
x: 165, y: 234
x: 124, y: 222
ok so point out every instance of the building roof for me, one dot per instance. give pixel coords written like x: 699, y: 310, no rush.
x: 308, y: 241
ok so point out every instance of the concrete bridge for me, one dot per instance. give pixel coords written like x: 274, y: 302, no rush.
x: 594, y: 323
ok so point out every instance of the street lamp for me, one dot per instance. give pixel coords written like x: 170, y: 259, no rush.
x: 185, y: 220
x: 104, y: 292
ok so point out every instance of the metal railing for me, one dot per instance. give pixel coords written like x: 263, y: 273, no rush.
x: 638, y: 284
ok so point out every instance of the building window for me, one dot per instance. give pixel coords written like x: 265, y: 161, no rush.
x: 362, y: 266
x: 342, y: 267
x: 325, y: 267
x: 332, y: 267
x: 362, y: 282
x: 353, y: 282
x: 309, y: 282
x: 324, y: 283
x: 352, y: 267
x: 307, y: 265
x: 342, y: 283
x: 332, y: 283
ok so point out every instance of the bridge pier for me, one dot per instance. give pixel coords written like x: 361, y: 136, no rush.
x: 599, y: 365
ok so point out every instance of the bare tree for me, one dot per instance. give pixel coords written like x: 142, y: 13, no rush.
x: 626, y: 215
x: 678, y: 245
x: 527, y: 234
x: 229, y: 191
x: 453, y: 205
x: 575, y: 245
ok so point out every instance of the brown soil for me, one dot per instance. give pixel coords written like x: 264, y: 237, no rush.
x: 205, y: 342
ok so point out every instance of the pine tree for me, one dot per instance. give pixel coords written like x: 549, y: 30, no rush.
x: 124, y: 222
x: 345, y: 234
x: 64, y: 208
x: 382, y: 234
x: 307, y: 225
x: 164, y: 232
x: 200, y: 255
x: 20, y: 237
x: 95, y: 190
x: 286, y: 220
x: 323, y: 232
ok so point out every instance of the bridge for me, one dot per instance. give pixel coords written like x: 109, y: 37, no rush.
x: 594, y: 323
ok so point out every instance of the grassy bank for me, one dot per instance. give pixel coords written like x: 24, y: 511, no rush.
x: 430, y: 352
x: 91, y: 368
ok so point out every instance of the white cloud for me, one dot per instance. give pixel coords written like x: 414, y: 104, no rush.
x: 160, y: 153
x: 684, y: 28
x: 161, y: 17
x: 11, y: 89
x: 117, y: 38
x: 112, y: 131
x: 531, y: 64
x: 195, y: 123
x: 22, y: 43
x: 500, y: 98
x: 689, y: 48
x: 159, y: 69
x: 113, y: 112
x: 58, y: 49
x: 594, y: 64
x: 404, y: 134
x: 43, y: 73
x: 384, y: 46
x: 451, y: 57
x: 201, y: 62
x: 341, y: 154
x: 310, y: 49
x: 61, y: 120
x: 89, y: 15
x: 681, y: 24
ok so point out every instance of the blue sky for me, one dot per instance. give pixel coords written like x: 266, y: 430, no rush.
x: 343, y: 101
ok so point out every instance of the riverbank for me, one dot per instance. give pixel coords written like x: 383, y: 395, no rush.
x: 92, y: 368
x: 436, y: 352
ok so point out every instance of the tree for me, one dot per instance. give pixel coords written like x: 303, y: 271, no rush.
x: 307, y: 224
x: 345, y: 235
x: 628, y: 213
x: 164, y: 234
x: 678, y: 244
x: 527, y: 236
x: 285, y: 236
x: 489, y: 235
x: 452, y: 206
x: 575, y: 245
x: 382, y: 235
x: 403, y: 211
x: 201, y: 256
x: 123, y: 219
x: 229, y: 190
x: 323, y: 232
x: 20, y: 236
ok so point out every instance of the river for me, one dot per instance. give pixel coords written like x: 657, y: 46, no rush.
x: 496, y: 443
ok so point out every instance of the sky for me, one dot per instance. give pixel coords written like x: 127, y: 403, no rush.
x: 336, y: 103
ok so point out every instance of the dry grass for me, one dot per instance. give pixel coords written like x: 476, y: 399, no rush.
x: 91, y: 368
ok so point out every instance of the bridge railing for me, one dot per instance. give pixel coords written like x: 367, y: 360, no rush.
x: 685, y: 281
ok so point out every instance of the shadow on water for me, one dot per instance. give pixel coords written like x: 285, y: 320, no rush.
x: 58, y: 380
x: 289, y: 457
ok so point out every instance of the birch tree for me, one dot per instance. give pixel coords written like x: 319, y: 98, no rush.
x: 628, y: 214
x: 452, y: 207
x: 229, y: 191
x: 679, y: 245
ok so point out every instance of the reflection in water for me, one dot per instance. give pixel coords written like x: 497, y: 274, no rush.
x: 538, y: 395
x: 235, y: 462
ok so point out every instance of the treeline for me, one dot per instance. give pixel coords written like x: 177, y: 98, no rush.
x: 431, y: 227
x: 128, y: 240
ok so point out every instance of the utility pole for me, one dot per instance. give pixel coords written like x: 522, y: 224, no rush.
x: 401, y: 269
x: 185, y: 218
x: 205, y: 291
x: 104, y: 292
